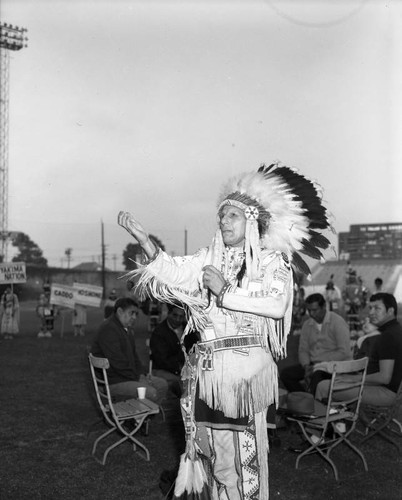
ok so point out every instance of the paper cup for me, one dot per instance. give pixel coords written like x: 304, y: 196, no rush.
x: 141, y: 392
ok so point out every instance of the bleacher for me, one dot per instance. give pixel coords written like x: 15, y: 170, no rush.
x: 390, y: 271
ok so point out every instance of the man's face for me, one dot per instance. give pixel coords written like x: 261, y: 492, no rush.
x: 316, y: 312
x: 379, y: 314
x: 176, y: 317
x: 232, y: 223
x: 127, y: 316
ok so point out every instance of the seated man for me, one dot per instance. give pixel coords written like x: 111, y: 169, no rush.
x: 384, y: 371
x: 324, y: 337
x: 167, y: 353
x: 115, y: 341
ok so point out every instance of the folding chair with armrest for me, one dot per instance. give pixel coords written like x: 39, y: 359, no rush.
x: 383, y: 420
x: 117, y: 414
x: 340, y: 418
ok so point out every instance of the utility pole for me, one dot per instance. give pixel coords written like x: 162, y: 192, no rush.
x: 185, y: 241
x: 103, y: 261
x: 11, y: 38
x: 68, y: 253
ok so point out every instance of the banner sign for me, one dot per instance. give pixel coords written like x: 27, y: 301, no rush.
x: 12, y: 272
x: 62, y: 295
x: 88, y: 295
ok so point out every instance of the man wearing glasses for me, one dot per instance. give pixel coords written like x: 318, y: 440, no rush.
x: 115, y: 341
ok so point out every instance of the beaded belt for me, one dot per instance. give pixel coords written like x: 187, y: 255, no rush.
x: 237, y: 342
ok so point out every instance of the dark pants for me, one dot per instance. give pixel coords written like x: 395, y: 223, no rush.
x: 293, y: 375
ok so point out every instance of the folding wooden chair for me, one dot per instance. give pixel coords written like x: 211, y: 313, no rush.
x: 118, y: 414
x: 383, y: 421
x: 324, y: 433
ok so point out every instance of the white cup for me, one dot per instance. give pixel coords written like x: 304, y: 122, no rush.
x: 141, y: 392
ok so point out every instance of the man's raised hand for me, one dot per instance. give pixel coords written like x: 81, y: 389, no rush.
x: 132, y: 226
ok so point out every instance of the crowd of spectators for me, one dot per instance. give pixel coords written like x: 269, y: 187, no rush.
x: 353, y: 323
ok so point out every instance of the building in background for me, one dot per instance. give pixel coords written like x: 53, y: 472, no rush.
x: 371, y: 241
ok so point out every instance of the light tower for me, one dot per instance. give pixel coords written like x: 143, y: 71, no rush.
x: 11, y: 38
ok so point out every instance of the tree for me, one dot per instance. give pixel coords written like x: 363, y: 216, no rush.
x: 133, y: 251
x: 28, y: 250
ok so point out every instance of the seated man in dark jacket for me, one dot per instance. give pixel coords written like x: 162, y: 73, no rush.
x: 166, y: 350
x: 115, y: 341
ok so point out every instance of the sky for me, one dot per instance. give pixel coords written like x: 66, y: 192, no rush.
x: 150, y: 106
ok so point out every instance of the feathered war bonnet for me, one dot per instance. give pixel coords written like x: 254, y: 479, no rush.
x: 284, y: 212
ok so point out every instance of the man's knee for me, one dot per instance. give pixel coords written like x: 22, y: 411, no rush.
x: 322, y: 390
x: 152, y: 393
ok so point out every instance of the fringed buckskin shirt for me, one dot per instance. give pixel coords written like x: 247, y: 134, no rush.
x: 242, y: 380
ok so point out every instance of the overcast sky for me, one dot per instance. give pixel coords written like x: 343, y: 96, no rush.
x: 149, y: 106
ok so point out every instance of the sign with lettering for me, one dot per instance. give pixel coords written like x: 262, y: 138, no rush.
x: 88, y: 295
x: 12, y: 272
x: 62, y: 295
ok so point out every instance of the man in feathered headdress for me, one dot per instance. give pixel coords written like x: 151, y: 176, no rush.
x: 238, y: 294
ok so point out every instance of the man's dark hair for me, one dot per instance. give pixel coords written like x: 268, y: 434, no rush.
x: 315, y: 297
x: 124, y: 303
x: 175, y: 305
x: 387, y: 299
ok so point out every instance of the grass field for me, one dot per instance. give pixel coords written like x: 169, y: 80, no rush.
x: 48, y: 407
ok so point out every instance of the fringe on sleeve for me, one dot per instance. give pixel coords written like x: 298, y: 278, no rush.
x: 151, y: 282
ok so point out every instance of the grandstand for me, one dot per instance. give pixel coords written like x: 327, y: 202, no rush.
x: 389, y: 270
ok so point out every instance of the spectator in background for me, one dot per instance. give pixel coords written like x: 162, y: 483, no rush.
x: 332, y: 296
x: 363, y: 293
x: 47, y: 313
x: 324, y: 337
x: 352, y: 297
x: 108, y: 306
x: 166, y: 352
x: 298, y: 309
x: 378, y: 285
x: 10, y: 314
x: 79, y: 321
x: 115, y: 341
x: 47, y: 288
x: 166, y: 348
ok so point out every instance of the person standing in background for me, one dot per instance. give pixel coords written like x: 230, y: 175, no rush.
x: 10, y: 314
x: 79, y: 320
x: 108, y: 306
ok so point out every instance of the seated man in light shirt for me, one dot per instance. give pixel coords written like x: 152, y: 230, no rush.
x: 325, y: 336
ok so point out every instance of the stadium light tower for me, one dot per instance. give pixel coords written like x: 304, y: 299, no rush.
x: 11, y: 38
